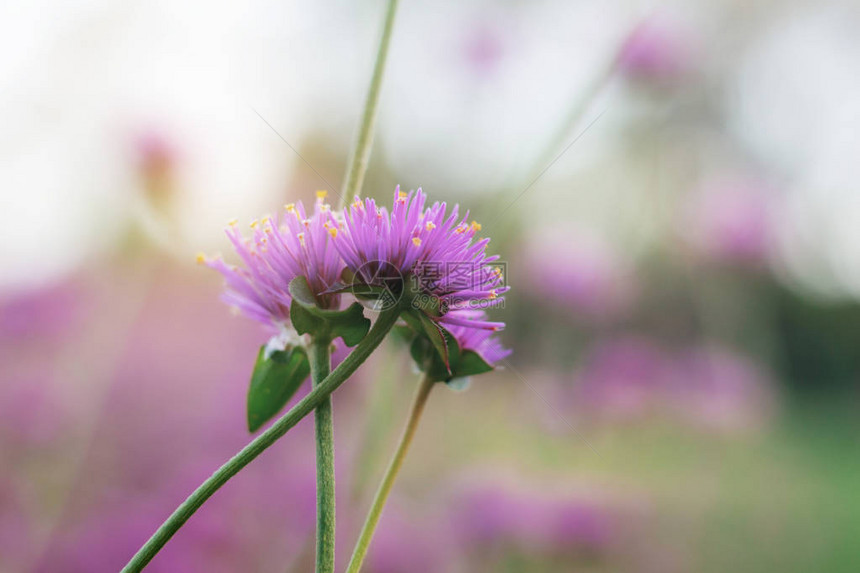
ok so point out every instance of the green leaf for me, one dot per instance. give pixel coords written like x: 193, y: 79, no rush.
x: 470, y: 364
x: 428, y: 360
x: 443, y: 341
x: 274, y: 381
x: 303, y: 320
x: 349, y: 324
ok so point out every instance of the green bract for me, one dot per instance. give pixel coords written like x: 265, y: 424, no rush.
x: 275, y: 379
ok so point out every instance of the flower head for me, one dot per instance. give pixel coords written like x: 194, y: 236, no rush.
x: 278, y: 250
x: 431, y: 251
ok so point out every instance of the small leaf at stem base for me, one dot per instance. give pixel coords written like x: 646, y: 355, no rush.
x: 274, y: 381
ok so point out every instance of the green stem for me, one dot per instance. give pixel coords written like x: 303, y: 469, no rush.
x: 320, y: 359
x: 364, y: 141
x: 313, y: 399
x: 370, y: 523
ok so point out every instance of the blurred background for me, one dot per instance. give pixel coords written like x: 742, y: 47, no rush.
x: 673, y: 187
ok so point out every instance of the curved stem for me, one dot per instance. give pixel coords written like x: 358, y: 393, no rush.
x: 313, y: 399
x: 370, y: 523
x: 320, y: 361
x: 361, y: 152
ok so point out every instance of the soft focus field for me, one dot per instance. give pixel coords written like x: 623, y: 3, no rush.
x: 684, y: 260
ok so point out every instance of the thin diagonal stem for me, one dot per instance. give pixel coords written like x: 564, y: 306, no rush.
x: 319, y: 354
x: 364, y: 140
x: 370, y: 523
x: 221, y: 476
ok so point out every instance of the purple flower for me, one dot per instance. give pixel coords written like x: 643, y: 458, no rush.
x: 407, y: 542
x: 278, y: 251
x: 729, y: 219
x: 657, y: 50
x: 480, y: 340
x: 582, y: 274
x: 526, y: 519
x: 622, y: 378
x: 717, y: 389
x: 429, y: 248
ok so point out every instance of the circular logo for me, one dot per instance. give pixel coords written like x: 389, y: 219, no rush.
x: 378, y: 285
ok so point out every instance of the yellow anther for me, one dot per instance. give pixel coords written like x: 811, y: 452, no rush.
x: 493, y: 295
x: 321, y: 194
x: 201, y: 258
x: 461, y: 229
x: 325, y: 208
x: 430, y: 225
x: 301, y: 237
x: 497, y: 271
x: 416, y: 241
x: 476, y: 226
x: 356, y: 200
x: 306, y: 222
x: 254, y: 224
x: 333, y: 232
x: 233, y: 222
x: 402, y: 195
x: 290, y: 207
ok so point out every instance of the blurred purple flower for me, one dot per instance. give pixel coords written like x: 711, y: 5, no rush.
x: 581, y: 274
x: 705, y: 386
x: 622, y: 378
x: 40, y: 314
x: 408, y: 543
x: 484, y: 47
x: 489, y: 515
x: 718, y: 389
x: 728, y: 219
x: 658, y: 50
x: 173, y: 415
x: 31, y: 413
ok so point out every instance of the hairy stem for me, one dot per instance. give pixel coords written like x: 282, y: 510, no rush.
x: 320, y: 361
x: 370, y: 523
x: 364, y: 140
x: 221, y: 476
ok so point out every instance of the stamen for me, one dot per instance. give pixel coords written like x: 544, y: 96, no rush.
x: 430, y: 225
x: 416, y: 241
x: 476, y: 226
x: 321, y: 194
x: 201, y: 258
